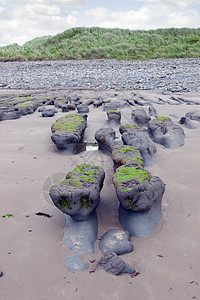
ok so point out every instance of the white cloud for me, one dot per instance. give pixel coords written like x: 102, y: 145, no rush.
x: 32, y: 20
x: 149, y: 16
x: 66, y: 3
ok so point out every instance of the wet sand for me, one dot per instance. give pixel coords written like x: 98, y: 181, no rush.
x: 32, y: 252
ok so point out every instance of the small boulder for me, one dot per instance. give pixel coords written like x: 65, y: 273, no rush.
x: 152, y: 111
x: 163, y: 131
x: 48, y: 113
x: 26, y: 108
x: 106, y: 140
x: 140, y: 117
x: 68, y: 131
x: 79, y: 194
x: 186, y: 122
x: 117, y: 241
x: 11, y: 115
x: 82, y: 109
x: 113, y: 264
x: 114, y: 117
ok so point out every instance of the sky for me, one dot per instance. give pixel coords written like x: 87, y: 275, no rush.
x: 23, y: 20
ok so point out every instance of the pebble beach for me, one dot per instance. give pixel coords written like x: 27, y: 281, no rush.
x: 175, y: 75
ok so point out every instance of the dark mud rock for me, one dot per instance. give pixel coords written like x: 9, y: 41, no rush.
x: 140, y: 117
x: 139, y: 138
x: 127, y: 155
x: 68, y: 132
x: 87, y: 102
x: 117, y: 241
x: 60, y: 103
x: 48, y: 112
x: 106, y: 140
x: 83, y: 109
x: 139, y: 193
x: 12, y: 115
x: 79, y: 194
x: 152, y: 111
x: 41, y: 108
x: 114, y: 118
x: 97, y: 103
x: 113, y: 264
x: 186, y: 122
x: 109, y: 106
x: 71, y: 106
x: 163, y: 131
x: 26, y: 108
x: 193, y: 115
x: 65, y: 108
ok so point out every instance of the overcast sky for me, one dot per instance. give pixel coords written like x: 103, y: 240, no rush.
x: 22, y: 20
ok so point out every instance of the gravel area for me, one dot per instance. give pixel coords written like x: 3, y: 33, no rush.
x: 175, y: 75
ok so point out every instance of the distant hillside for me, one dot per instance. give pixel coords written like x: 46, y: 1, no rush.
x: 95, y: 42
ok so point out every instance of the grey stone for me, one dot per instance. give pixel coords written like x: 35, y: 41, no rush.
x: 163, y: 131
x: 186, y: 122
x: 68, y: 131
x: 195, y: 116
x: 1, y: 273
x: 48, y: 113
x: 113, y: 264
x: 114, y: 118
x: 139, y: 138
x: 12, y: 115
x: 106, y: 140
x: 26, y: 108
x: 79, y: 194
x: 152, y: 111
x: 117, y: 241
x: 140, y: 117
x: 83, y: 109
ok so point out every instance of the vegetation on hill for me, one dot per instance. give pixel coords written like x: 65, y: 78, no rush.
x: 95, y: 42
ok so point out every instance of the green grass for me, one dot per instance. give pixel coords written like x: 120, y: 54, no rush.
x: 95, y: 42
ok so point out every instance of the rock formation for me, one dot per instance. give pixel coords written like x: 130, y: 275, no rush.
x: 163, y: 131
x: 68, y: 131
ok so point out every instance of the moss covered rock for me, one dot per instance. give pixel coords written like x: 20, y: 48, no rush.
x: 68, y: 132
x: 127, y: 155
x: 26, y: 108
x: 79, y: 193
x: 136, y: 189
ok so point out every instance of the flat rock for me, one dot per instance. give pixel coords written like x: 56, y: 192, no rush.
x: 113, y: 264
x: 117, y: 241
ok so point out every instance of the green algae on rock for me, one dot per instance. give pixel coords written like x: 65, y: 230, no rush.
x: 68, y: 132
x: 79, y: 193
x: 127, y: 155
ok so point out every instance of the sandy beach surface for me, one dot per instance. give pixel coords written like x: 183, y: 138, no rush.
x: 32, y: 252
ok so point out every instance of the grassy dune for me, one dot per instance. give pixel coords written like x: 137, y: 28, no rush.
x: 95, y: 42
